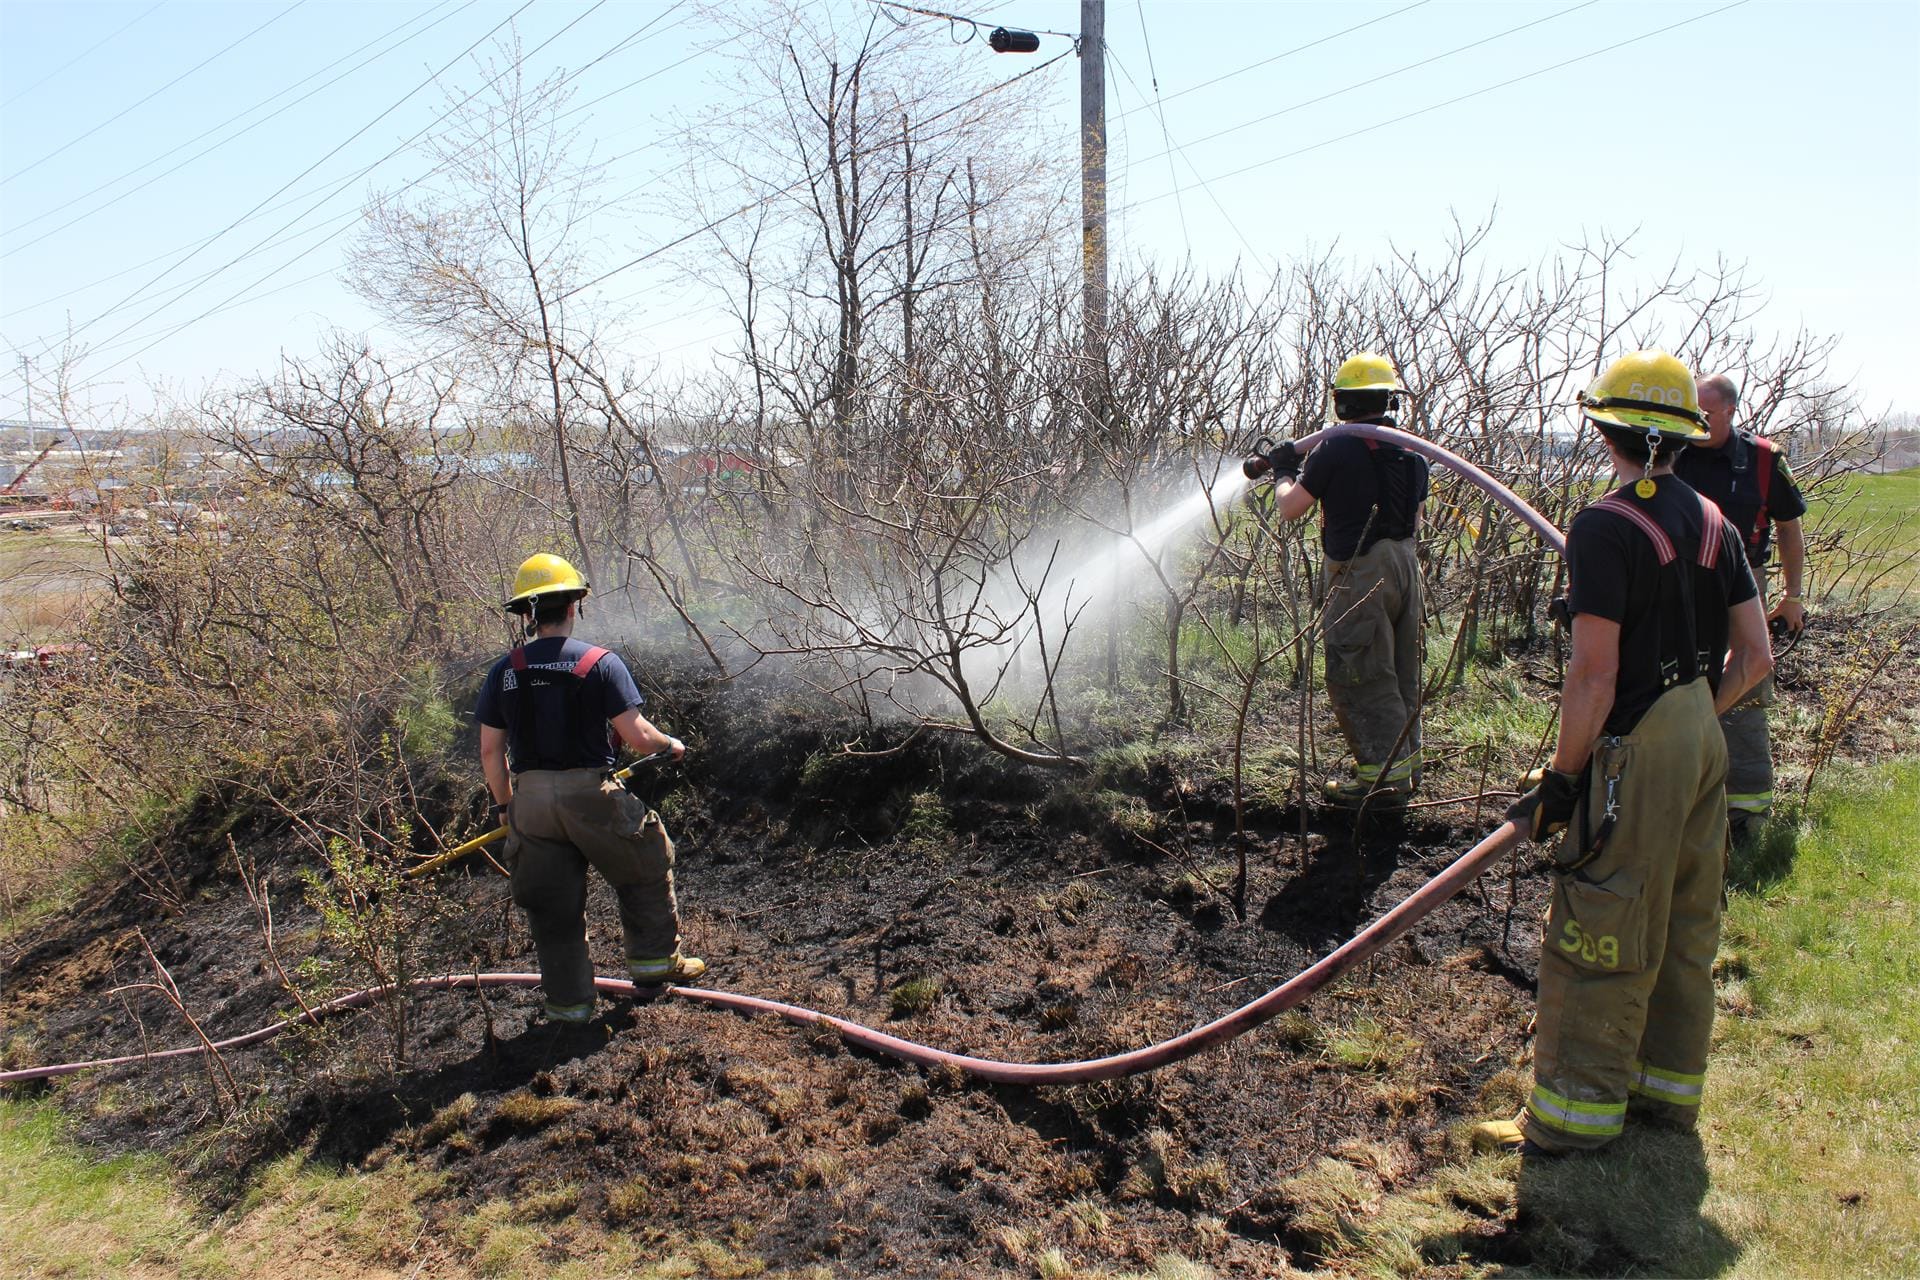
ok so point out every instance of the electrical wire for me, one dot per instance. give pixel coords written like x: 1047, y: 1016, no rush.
x: 125, y: 195
x: 352, y: 219
x: 336, y: 186
x: 1160, y: 109
x: 64, y: 147
x: 1370, y: 81
x: 974, y: 25
x: 116, y: 34
x: 1454, y: 101
x: 772, y: 196
x: 342, y: 145
x: 1299, y: 48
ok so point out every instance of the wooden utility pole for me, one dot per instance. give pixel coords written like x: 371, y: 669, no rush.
x: 1093, y: 200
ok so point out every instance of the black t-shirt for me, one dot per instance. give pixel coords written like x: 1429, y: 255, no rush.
x: 558, y: 721
x: 1737, y: 493
x: 1350, y: 476
x: 1615, y: 572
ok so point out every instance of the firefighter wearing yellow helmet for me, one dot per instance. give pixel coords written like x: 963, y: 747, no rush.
x: 1370, y: 493
x: 553, y: 714
x: 1636, y: 787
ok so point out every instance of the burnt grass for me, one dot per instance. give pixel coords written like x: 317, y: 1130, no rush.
x: 1022, y: 919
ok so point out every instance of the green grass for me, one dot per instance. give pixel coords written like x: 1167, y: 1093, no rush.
x: 1880, y: 515
x: 63, y: 1213
x: 1808, y: 1161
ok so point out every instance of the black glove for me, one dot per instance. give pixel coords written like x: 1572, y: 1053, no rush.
x: 1560, y: 612
x: 500, y: 815
x: 1285, y: 461
x: 1546, y: 810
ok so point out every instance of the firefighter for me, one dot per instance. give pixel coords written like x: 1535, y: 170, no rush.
x: 1370, y: 494
x: 553, y: 713
x: 1636, y: 787
x: 1747, y: 476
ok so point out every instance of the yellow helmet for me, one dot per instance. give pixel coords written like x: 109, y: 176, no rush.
x: 1647, y: 391
x: 543, y: 575
x: 1367, y: 371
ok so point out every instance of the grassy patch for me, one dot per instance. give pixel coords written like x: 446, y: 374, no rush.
x: 62, y: 1213
x: 1808, y: 1163
x: 914, y: 996
x: 1878, y: 517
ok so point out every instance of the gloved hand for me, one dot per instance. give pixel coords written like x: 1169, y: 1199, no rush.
x: 1560, y: 612
x: 1546, y: 809
x: 500, y: 815
x: 1285, y: 461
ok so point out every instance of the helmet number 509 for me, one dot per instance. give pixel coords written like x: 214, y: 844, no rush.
x: 1654, y: 391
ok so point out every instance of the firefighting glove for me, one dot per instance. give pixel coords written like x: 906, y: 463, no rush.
x: 1545, y: 810
x: 1285, y: 462
x: 1560, y: 612
x: 500, y: 815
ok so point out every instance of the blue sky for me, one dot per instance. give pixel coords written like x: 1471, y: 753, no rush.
x: 1782, y: 135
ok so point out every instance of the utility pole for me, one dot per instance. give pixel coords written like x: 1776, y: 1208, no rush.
x: 1093, y: 202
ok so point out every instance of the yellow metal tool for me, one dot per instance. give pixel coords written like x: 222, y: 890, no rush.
x: 498, y: 834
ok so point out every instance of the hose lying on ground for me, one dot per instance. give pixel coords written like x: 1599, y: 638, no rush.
x: 1288, y: 994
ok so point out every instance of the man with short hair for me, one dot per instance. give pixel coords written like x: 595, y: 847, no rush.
x: 1747, y: 477
x: 1667, y: 633
x: 1372, y: 598
x: 552, y: 714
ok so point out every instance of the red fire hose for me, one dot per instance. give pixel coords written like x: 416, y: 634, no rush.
x: 1427, y: 449
x: 1275, y: 1002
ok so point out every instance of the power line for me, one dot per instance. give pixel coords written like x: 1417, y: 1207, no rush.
x: 772, y: 196
x: 1188, y: 161
x: 1388, y: 75
x: 973, y: 25
x: 122, y: 30
x: 128, y: 194
x: 316, y: 164
x: 67, y: 146
x: 1477, y: 93
x: 238, y: 295
x: 1166, y: 135
x: 1299, y: 48
x: 338, y: 186
x: 656, y: 251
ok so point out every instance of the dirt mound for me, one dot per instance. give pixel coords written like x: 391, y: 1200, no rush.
x: 917, y: 888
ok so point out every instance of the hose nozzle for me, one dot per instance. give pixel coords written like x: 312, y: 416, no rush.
x: 1260, y: 461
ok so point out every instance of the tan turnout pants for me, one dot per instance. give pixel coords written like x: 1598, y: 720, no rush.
x: 1626, y: 962
x: 1374, y: 604
x: 564, y: 821
x: 1750, y: 752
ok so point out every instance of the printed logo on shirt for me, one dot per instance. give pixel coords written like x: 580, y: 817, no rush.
x: 509, y: 679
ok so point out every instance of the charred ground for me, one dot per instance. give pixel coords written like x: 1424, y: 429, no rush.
x: 929, y: 887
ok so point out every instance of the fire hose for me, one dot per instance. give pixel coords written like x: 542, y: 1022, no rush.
x: 1287, y: 995
x: 1368, y: 942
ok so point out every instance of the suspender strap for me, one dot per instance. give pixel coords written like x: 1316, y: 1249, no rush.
x: 588, y: 660
x: 1711, y: 522
x: 518, y: 658
x: 1765, y: 481
x: 1662, y: 544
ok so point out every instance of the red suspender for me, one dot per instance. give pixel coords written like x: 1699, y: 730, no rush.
x: 1662, y: 544
x: 517, y: 659
x: 1710, y: 523
x: 1765, y: 481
